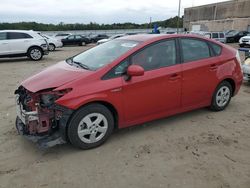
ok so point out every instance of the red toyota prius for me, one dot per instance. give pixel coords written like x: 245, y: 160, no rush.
x: 124, y: 82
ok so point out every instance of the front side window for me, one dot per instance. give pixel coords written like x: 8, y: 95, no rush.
x: 16, y: 35
x: 158, y: 55
x: 194, y: 49
x: 71, y: 37
x: 118, y: 70
x: 3, y: 36
x: 104, y: 54
x: 78, y: 37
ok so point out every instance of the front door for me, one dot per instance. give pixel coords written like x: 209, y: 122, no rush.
x: 4, y: 44
x: 159, y: 89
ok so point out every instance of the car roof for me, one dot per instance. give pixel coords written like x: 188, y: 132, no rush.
x: 25, y: 31
x: 155, y: 37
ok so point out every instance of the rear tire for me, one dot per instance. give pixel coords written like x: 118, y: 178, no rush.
x: 35, y: 53
x: 90, y: 126
x: 82, y: 44
x: 222, y: 96
x: 52, y: 47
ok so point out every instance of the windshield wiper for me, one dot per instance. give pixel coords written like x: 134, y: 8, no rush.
x: 81, y: 65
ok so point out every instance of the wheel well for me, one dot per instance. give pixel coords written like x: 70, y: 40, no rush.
x: 52, y: 44
x: 232, y: 83
x: 110, y: 107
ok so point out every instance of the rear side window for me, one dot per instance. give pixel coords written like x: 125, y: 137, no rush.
x: 216, y: 48
x: 222, y: 35
x: 16, y: 35
x: 215, y: 35
x: 3, y: 36
x: 194, y: 49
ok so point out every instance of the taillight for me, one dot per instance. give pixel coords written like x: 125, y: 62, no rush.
x: 237, y: 55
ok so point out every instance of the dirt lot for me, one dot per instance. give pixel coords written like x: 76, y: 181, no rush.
x: 199, y: 149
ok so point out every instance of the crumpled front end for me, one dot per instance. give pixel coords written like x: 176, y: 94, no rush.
x: 39, y: 118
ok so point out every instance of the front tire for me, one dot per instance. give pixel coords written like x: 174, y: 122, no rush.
x: 35, y: 53
x: 90, y: 126
x: 222, y: 96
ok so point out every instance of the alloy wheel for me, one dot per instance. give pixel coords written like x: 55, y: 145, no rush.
x: 92, y: 128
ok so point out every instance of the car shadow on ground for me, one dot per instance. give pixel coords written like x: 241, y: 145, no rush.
x: 125, y: 133
x: 14, y: 60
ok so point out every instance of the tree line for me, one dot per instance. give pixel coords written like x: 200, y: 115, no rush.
x: 171, y: 22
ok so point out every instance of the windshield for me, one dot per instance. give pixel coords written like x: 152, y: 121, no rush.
x: 232, y: 32
x: 104, y: 54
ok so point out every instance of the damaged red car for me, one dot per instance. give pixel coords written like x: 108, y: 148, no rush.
x: 124, y: 82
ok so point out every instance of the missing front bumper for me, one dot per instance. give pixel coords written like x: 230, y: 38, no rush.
x: 42, y: 141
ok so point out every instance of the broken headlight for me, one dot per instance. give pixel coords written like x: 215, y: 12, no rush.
x: 48, y: 99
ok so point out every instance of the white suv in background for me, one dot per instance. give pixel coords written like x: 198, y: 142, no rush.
x: 18, y: 43
x: 53, y: 42
x: 245, y: 41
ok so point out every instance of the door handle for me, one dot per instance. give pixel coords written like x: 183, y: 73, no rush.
x: 174, y: 76
x: 213, y: 67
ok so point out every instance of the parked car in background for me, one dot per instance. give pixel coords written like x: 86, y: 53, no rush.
x: 18, y: 43
x: 95, y: 38
x: 219, y: 36
x: 110, y: 38
x: 62, y: 35
x: 246, y: 64
x: 75, y: 40
x: 234, y: 36
x: 245, y: 41
x: 53, y: 42
x: 127, y: 81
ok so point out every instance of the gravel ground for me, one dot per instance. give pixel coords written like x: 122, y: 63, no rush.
x: 192, y: 150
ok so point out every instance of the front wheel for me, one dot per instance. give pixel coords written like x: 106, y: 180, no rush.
x: 35, y: 53
x: 90, y: 126
x: 222, y: 96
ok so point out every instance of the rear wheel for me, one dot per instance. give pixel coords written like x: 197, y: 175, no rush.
x: 90, y: 126
x: 82, y: 44
x: 35, y: 53
x: 222, y: 96
x: 52, y: 47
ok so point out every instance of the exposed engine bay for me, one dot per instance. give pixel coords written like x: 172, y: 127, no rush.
x: 39, y: 118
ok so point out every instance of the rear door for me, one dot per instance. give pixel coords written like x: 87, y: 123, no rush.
x: 199, y: 68
x: 158, y: 91
x: 4, y: 44
x: 19, y: 42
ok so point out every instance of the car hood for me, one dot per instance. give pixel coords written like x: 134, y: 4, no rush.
x: 246, y: 37
x: 103, y: 40
x: 54, y: 76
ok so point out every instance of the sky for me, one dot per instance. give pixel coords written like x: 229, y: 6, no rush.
x: 98, y: 11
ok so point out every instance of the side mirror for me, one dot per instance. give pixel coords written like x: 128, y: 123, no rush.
x: 135, y: 70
